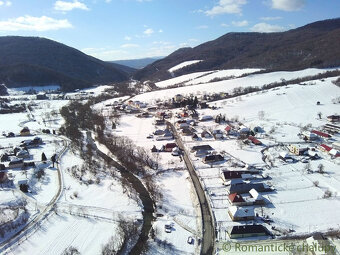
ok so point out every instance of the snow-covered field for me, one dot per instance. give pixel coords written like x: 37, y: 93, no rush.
x: 227, y: 86
x: 181, y: 79
x: 61, y: 231
x: 184, y: 64
x: 204, y: 77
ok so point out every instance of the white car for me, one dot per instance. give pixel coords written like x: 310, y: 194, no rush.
x: 190, y: 240
x: 175, y: 151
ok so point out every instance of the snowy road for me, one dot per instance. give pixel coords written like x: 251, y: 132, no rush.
x: 208, y: 238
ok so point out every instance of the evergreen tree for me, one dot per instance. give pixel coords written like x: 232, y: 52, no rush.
x: 43, y: 157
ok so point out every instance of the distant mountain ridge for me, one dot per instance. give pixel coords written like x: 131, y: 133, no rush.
x: 137, y: 63
x: 313, y: 45
x: 35, y: 61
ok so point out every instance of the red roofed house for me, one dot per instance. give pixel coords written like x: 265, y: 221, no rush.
x: 254, y: 140
x: 236, y: 199
x: 322, y: 134
x: 227, y: 129
x: 169, y: 146
x: 325, y: 148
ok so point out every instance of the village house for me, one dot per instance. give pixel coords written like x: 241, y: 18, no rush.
x: 4, y: 157
x: 240, y: 200
x: 336, y: 145
x: 41, y: 96
x: 228, y: 129
x: 195, y: 137
x: 209, y: 159
x: 182, y: 125
x: 257, y: 129
x: 241, y: 213
x: 23, y: 154
x: 236, y: 199
x: 25, y: 131
x: 325, y: 148
x: 206, y: 134
x: 321, y: 134
x: 258, y: 198
x: 16, y: 163
x: 244, y: 231
x: 169, y: 146
x: 178, y: 98
x: 23, y: 185
x: 152, y: 109
x: 228, y: 175
x: 309, y: 136
x: 159, y: 132
x: 184, y: 114
x: 201, y: 153
x: 297, y: 149
x: 188, y: 131
x: 194, y: 114
x: 333, y: 118
x: 166, y: 136
x: 154, y: 149
x: 205, y: 147
x: 254, y: 140
x: 331, y: 128
x: 334, y: 153
x: 246, y: 187
x: 286, y: 157
x: 244, y: 133
x: 217, y: 134
x: 203, y: 105
x: 206, y: 118
x: 159, y: 122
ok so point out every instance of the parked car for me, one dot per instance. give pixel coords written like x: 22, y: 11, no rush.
x: 149, y: 136
x: 175, y: 151
x: 167, y: 228
x: 190, y: 240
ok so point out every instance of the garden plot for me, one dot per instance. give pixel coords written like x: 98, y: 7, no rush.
x: 107, y: 196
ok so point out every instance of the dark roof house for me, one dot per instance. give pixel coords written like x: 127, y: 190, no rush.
x: 247, y: 231
x: 205, y: 147
x: 213, y: 158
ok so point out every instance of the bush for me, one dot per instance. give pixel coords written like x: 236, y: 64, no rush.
x: 327, y: 194
x: 71, y: 251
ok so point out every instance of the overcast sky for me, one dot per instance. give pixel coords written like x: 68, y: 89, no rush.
x: 125, y: 29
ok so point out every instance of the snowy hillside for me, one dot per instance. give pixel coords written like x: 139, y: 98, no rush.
x: 184, y: 64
